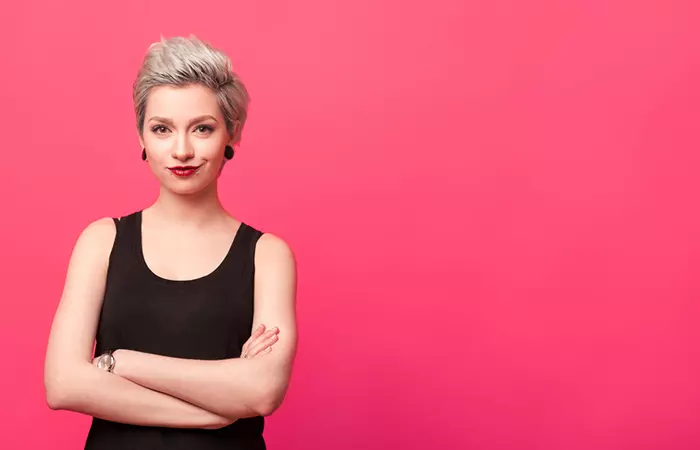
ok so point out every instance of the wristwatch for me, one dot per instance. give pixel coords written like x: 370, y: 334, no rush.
x: 106, y: 361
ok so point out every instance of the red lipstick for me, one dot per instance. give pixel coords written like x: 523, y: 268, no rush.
x: 184, y: 171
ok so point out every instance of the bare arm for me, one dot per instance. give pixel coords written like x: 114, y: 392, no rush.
x: 71, y: 381
x: 234, y: 387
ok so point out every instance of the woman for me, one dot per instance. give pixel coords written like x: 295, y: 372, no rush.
x: 188, y: 355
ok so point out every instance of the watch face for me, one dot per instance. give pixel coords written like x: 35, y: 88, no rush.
x: 105, y: 362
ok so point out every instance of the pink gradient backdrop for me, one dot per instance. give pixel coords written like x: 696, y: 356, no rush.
x: 493, y: 206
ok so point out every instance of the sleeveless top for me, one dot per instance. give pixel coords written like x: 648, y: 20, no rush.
x: 206, y: 318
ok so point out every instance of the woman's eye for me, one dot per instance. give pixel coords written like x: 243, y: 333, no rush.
x: 204, y: 129
x: 159, y: 129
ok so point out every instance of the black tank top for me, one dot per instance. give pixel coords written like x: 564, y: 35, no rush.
x: 206, y: 318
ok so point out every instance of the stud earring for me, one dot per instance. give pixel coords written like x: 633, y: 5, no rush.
x: 228, y: 152
x: 143, y: 154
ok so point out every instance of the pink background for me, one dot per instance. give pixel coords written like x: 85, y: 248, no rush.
x: 493, y: 206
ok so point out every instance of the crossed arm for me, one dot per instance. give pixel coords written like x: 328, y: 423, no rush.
x: 154, y: 390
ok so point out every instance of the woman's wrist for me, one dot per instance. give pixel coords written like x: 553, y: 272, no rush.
x: 112, y: 361
x: 121, y: 362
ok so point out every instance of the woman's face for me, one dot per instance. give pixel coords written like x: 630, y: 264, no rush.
x: 184, y: 134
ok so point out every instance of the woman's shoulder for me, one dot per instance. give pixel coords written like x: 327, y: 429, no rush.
x: 103, y: 230
x: 264, y: 240
x: 126, y: 215
x: 100, y: 228
x: 267, y: 245
x: 272, y: 249
x: 95, y: 241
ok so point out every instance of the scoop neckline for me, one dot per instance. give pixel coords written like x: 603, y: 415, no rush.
x: 163, y: 280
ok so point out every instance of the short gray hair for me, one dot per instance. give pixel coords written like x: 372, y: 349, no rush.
x: 180, y: 61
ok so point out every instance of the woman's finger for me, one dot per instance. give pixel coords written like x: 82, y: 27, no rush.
x: 262, y: 349
x: 256, y: 333
x: 244, y: 349
x: 266, y: 335
x: 257, y: 347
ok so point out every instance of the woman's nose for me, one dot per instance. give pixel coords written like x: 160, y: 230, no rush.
x: 183, y: 150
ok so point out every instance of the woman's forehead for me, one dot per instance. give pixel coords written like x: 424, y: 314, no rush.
x: 182, y: 102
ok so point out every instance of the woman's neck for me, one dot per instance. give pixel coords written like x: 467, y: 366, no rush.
x: 198, y: 209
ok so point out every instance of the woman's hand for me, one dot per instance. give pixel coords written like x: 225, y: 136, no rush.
x: 260, y: 342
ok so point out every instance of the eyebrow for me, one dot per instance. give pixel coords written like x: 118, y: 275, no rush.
x: 172, y: 124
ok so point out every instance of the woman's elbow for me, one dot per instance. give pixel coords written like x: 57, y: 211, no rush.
x: 267, y: 408
x: 271, y: 398
x: 55, y: 394
x: 59, y: 387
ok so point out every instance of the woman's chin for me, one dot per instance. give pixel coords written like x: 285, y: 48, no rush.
x: 186, y: 187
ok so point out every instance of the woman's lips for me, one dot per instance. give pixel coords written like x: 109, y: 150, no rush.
x: 184, y: 171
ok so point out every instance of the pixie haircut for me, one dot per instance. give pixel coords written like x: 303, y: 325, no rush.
x: 180, y: 61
